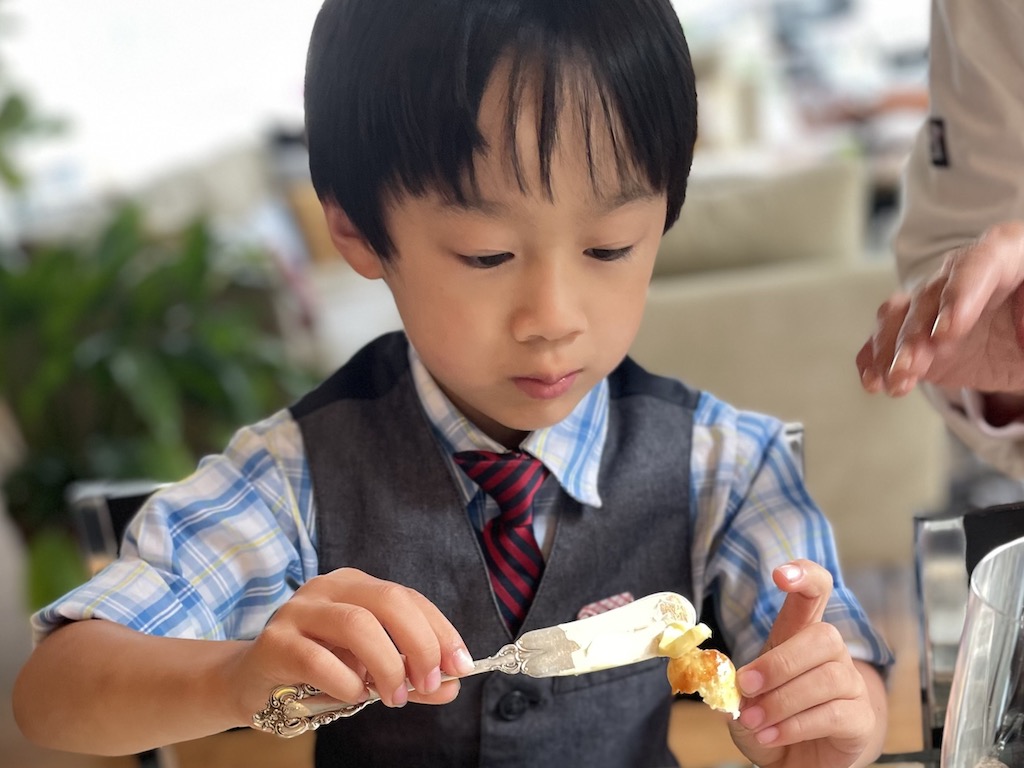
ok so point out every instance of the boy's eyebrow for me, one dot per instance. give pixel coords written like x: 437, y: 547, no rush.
x: 634, y: 193
x: 474, y: 203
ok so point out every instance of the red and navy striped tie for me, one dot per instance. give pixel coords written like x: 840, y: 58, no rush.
x: 513, y: 557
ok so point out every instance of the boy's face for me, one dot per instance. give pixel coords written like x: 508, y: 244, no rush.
x: 520, y: 302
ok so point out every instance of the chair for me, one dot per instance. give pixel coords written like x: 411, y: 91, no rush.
x: 101, y: 511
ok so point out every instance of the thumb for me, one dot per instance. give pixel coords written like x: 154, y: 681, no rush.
x: 808, y: 587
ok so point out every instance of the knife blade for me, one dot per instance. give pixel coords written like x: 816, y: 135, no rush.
x: 625, y: 635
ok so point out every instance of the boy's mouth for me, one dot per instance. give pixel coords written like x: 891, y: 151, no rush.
x: 545, y: 387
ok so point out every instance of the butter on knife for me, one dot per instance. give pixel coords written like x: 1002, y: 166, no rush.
x: 615, y: 638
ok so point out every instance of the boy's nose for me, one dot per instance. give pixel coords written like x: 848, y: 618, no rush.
x: 549, y: 306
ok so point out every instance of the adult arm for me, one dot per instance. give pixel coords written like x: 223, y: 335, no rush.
x: 957, y: 327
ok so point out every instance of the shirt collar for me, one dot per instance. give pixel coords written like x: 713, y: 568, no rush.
x: 570, y: 449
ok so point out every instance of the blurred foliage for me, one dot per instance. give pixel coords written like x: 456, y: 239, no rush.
x: 19, y: 120
x: 124, y: 356
x: 131, y: 357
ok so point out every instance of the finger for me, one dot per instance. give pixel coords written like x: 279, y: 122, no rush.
x: 913, y: 354
x: 978, y: 273
x: 869, y: 378
x: 429, y: 642
x: 416, y: 627
x: 1018, y: 315
x: 815, y: 645
x: 888, y: 322
x: 844, y: 722
x: 818, y: 645
x: 799, y: 695
x: 360, y: 633
x: 455, y: 658
x: 808, y: 587
x: 294, y: 657
x: 443, y: 695
x: 825, y: 682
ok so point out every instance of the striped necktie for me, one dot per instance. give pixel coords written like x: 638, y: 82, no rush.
x: 510, y: 549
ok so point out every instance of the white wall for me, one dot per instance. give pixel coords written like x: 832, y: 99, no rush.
x: 149, y: 84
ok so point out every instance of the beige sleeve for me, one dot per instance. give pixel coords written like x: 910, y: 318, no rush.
x: 1002, y: 447
x: 966, y: 172
x: 976, y: 67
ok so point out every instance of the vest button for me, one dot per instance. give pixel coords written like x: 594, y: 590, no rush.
x: 513, y: 705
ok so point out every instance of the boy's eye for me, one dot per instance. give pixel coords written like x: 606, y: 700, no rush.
x: 486, y: 262
x: 609, y: 254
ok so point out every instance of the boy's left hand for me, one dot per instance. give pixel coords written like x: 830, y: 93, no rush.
x: 805, y: 701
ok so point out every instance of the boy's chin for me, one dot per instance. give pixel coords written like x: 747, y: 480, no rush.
x: 510, y: 427
x: 547, y: 415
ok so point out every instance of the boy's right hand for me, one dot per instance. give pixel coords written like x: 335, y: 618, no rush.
x: 346, y: 628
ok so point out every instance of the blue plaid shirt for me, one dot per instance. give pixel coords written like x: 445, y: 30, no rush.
x: 214, y: 555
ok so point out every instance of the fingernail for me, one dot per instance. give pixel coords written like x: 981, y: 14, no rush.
x: 432, y: 681
x: 750, y: 682
x: 768, y: 735
x: 401, y: 696
x: 463, y: 661
x: 870, y: 380
x: 791, y: 572
x: 941, y: 325
x: 752, y: 717
x: 900, y: 361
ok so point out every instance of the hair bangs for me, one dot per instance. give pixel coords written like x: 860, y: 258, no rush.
x: 394, y: 109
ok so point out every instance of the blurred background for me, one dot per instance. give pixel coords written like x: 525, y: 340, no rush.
x: 165, y: 277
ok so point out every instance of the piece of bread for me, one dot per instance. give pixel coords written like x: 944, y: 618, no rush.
x: 691, y: 669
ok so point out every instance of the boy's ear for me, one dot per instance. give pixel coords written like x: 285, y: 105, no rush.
x: 350, y: 242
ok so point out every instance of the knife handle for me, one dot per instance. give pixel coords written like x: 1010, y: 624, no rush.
x: 294, y: 709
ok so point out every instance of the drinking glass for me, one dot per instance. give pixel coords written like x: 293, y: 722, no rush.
x: 985, y: 718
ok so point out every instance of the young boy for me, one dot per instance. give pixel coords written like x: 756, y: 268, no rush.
x: 507, y: 167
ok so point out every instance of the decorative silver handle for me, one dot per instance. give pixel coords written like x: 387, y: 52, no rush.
x: 294, y: 709
x: 286, y: 715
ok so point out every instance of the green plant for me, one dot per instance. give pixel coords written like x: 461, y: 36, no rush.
x: 19, y: 120
x: 131, y: 357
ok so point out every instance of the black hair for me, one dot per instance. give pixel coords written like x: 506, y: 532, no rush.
x: 393, y: 91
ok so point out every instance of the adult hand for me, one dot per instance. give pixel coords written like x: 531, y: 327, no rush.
x: 805, y: 701
x: 963, y: 327
x: 345, y: 628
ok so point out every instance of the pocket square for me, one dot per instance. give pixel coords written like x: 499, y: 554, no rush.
x: 600, y: 606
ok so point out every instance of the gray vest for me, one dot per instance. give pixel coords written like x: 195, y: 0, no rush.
x: 388, y: 504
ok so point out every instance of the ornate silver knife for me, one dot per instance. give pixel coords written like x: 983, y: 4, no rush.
x: 615, y: 638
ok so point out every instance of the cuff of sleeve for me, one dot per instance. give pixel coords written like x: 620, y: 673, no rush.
x: 1002, y: 447
x: 973, y: 405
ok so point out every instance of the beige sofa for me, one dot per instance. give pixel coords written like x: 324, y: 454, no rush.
x: 763, y: 295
